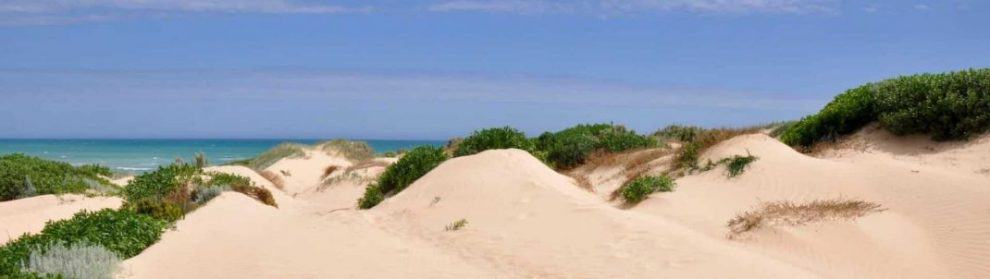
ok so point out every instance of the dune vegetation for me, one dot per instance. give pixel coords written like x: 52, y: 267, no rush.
x: 271, y: 156
x: 413, y: 165
x: 123, y: 232
x: 152, y: 201
x: 947, y: 106
x: 25, y: 176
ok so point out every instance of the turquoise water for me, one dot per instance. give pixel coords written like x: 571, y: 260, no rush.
x: 142, y: 155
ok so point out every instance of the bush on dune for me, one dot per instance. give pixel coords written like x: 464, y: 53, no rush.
x: 78, y: 260
x: 493, y: 138
x: 570, y: 147
x: 949, y: 106
x: 172, y: 191
x: 164, y: 193
x: 404, y: 172
x: 639, y: 189
x: 125, y: 233
x: 23, y: 176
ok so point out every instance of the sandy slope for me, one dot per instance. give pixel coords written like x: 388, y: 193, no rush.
x: 934, y: 226
x: 29, y: 215
x: 304, y: 173
x: 525, y: 220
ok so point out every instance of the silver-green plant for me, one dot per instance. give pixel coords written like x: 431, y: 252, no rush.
x: 78, y: 260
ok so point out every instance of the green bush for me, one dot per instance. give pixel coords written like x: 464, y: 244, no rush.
x: 413, y: 165
x: 123, y: 232
x: 638, y: 189
x: 736, y: 165
x: 570, y: 147
x: 494, y: 138
x: 954, y: 105
x: 372, y: 196
x: 163, y: 193
x: 24, y: 176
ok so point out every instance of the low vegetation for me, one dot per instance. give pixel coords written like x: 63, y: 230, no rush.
x: 948, y: 106
x: 400, y: 175
x: 789, y: 213
x: 640, y: 188
x: 737, y: 164
x: 24, y: 176
x: 123, y: 232
x: 174, y: 190
x: 80, y: 260
x: 354, y: 151
x: 494, y: 138
x: 570, y: 147
x: 456, y: 225
x: 273, y: 155
x: 698, y: 140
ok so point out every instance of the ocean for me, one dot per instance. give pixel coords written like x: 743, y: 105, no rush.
x: 140, y: 155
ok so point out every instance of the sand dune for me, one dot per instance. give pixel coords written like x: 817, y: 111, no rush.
x: 524, y: 220
x: 933, y: 227
x: 30, y: 214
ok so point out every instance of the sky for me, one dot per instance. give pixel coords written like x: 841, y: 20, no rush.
x: 437, y: 69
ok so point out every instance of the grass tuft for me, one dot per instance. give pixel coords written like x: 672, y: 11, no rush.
x: 456, y: 225
x: 789, y: 213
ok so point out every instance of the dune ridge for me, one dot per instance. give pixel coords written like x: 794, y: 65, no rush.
x: 522, y: 219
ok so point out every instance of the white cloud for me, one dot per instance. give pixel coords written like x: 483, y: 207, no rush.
x: 44, y: 12
x: 921, y: 7
x: 618, y: 7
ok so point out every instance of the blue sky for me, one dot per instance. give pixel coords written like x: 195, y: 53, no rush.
x: 437, y: 69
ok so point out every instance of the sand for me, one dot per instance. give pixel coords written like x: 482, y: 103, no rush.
x: 29, y: 215
x: 524, y: 220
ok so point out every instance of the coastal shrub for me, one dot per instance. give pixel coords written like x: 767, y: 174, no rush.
x: 494, y: 138
x: 570, y: 147
x: 949, y: 106
x: 354, y: 151
x: 638, y: 189
x: 164, y: 193
x: 372, y: 196
x: 737, y: 164
x: 123, y: 232
x: 24, y: 176
x: 80, y: 260
x: 402, y: 173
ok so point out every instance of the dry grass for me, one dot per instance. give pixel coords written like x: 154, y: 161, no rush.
x: 258, y: 193
x: 274, y: 178
x: 354, y: 151
x: 582, y: 181
x: 789, y: 213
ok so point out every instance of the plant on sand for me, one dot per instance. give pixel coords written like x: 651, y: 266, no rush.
x: 404, y: 172
x: 639, y: 189
x: 24, y: 176
x: 493, y: 138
